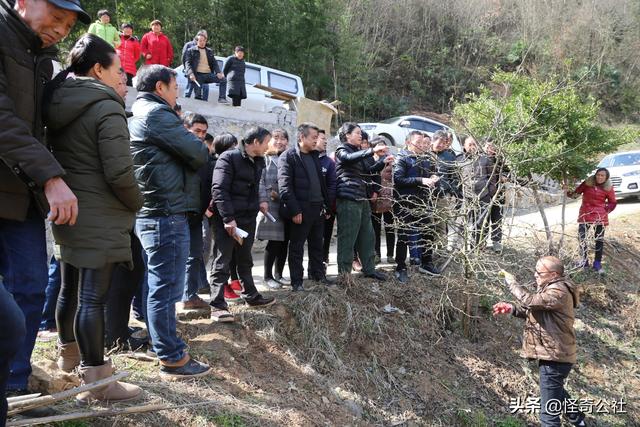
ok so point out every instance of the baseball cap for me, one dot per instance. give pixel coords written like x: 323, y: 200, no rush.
x: 75, y: 6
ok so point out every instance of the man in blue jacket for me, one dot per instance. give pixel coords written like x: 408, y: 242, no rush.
x: 166, y: 159
x: 304, y: 199
x: 415, y: 182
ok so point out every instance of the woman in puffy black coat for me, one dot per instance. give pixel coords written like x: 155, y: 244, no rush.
x: 234, y: 70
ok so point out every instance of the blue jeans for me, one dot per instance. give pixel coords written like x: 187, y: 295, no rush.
x: 165, y: 240
x: 414, y: 247
x: 552, y: 393
x: 202, y: 91
x: 23, y: 264
x: 195, y: 276
x: 51, y: 296
x: 12, y: 335
x: 189, y: 90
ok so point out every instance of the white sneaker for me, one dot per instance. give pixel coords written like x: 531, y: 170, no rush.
x: 273, y: 284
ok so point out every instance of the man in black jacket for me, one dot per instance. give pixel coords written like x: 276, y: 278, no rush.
x: 166, y: 157
x: 236, y: 180
x: 481, y: 177
x: 188, y: 45
x: 354, y: 212
x: 31, y: 180
x: 202, y: 68
x: 304, y: 200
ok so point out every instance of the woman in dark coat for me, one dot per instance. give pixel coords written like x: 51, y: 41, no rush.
x: 234, y: 72
x: 598, y: 200
x: 89, y: 136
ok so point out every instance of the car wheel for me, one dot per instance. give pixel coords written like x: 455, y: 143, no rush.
x: 388, y: 140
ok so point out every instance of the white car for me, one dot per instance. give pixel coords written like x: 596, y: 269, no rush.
x: 255, y: 74
x: 396, y: 129
x: 625, y: 172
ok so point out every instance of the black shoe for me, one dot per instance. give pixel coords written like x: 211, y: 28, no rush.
x: 260, y: 301
x: 402, y: 276
x: 430, y: 270
x: 297, y: 288
x: 377, y: 275
x: 42, y: 411
x: 191, y: 369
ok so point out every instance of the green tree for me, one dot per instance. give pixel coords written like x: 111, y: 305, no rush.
x: 541, y: 127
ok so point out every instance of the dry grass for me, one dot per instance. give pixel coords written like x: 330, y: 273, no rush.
x: 335, y: 357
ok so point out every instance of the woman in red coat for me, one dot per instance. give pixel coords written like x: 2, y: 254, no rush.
x: 598, y: 199
x: 156, y: 47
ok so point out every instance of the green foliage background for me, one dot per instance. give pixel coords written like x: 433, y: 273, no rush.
x: 386, y: 57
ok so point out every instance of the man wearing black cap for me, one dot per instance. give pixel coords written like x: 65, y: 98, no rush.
x: 31, y: 180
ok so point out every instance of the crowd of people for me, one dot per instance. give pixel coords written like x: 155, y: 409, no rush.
x: 139, y: 205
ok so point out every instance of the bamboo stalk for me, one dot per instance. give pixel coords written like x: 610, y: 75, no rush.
x: 90, y: 414
x: 17, y: 407
x: 21, y: 398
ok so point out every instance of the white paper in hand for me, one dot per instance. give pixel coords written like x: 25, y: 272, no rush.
x: 241, y: 233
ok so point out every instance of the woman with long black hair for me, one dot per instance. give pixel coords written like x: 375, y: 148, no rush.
x: 89, y: 136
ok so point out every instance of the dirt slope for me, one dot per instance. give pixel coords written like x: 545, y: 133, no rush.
x: 337, y: 358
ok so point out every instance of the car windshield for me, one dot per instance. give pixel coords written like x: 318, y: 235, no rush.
x: 391, y: 120
x: 629, y: 159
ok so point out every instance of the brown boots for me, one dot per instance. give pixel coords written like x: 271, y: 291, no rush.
x: 113, y: 392
x: 68, y: 356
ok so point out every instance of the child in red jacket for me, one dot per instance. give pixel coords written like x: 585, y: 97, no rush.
x: 598, y: 199
x: 129, y: 52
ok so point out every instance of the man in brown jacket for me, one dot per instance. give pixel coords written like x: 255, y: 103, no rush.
x: 549, y: 336
x: 31, y: 184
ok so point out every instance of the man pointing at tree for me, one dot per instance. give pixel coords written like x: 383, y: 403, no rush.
x: 549, y: 336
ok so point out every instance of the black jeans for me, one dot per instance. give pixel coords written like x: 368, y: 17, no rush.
x: 377, y: 219
x: 80, y: 309
x: 495, y: 215
x: 487, y: 218
x: 553, y: 396
x: 328, y: 234
x: 311, y: 231
x: 12, y: 335
x: 583, y: 229
x: 125, y: 284
x: 226, y: 250
x: 276, y: 254
x: 408, y: 224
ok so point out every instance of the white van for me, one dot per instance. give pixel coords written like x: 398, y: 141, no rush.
x: 255, y: 74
